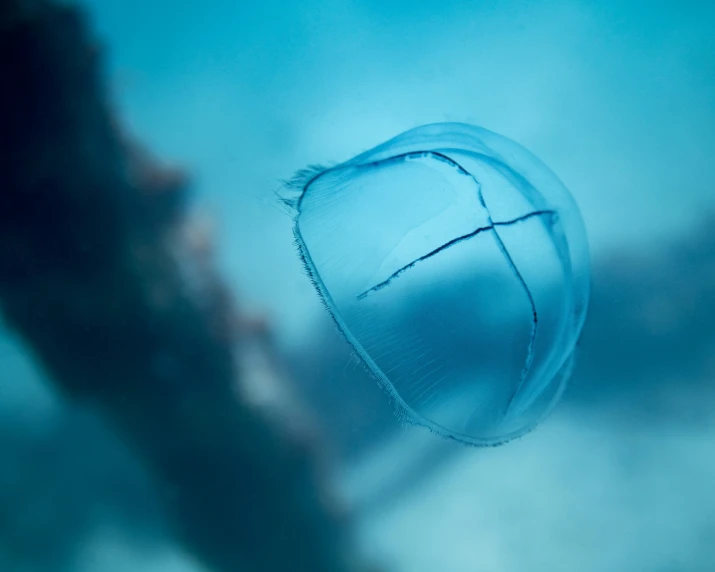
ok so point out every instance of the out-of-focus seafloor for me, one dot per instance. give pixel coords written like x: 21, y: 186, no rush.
x: 173, y: 398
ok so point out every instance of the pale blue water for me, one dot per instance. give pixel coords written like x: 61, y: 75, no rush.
x: 614, y: 96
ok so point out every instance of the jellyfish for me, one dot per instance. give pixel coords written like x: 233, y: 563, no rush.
x: 456, y: 265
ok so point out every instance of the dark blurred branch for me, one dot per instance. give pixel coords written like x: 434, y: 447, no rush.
x: 97, y: 277
x: 649, y: 338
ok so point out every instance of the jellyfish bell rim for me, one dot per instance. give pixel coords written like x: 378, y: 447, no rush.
x: 404, y: 411
x: 497, y: 150
x: 493, y: 147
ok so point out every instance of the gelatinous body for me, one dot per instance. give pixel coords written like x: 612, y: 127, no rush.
x: 456, y: 264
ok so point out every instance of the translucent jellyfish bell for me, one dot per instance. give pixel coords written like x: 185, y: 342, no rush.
x: 456, y: 264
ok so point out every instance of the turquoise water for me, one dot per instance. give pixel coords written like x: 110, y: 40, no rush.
x: 615, y: 97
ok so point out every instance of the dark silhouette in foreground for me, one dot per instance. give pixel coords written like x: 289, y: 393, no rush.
x: 101, y: 276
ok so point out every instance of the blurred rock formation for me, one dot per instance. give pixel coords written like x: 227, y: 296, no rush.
x: 111, y: 284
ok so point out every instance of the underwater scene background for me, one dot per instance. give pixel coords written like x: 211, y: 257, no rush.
x: 174, y: 396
